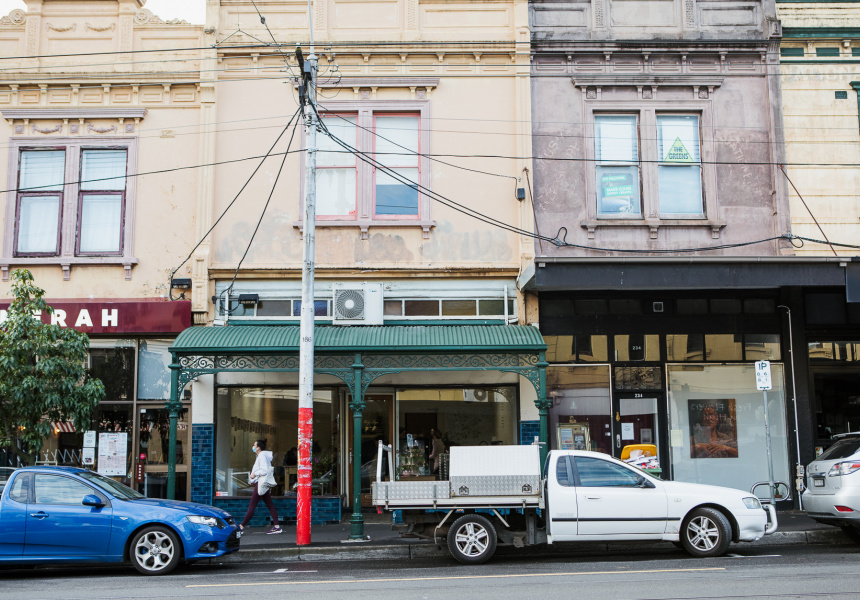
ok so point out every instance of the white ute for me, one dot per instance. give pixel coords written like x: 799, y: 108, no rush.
x: 495, y: 495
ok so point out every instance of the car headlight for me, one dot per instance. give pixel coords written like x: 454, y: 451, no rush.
x: 210, y: 521
x: 752, y: 502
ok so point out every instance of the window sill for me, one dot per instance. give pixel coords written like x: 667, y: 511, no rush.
x: 66, y: 263
x: 654, y: 225
x: 365, y: 224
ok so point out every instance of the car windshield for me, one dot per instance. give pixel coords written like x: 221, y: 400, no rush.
x: 844, y: 448
x: 112, y: 487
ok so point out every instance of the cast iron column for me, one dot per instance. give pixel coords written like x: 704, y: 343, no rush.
x: 173, y: 407
x: 543, y: 405
x: 357, y: 405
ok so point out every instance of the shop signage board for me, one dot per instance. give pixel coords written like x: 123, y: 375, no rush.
x: 113, y: 451
x: 88, y: 456
x: 122, y: 316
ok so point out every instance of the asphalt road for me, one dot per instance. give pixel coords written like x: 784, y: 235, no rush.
x: 759, y: 573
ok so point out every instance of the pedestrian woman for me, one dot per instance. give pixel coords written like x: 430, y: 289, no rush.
x: 260, y: 471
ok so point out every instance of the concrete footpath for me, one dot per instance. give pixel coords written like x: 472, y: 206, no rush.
x: 329, y: 542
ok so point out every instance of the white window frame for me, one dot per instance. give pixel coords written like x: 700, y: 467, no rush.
x: 647, y: 112
x: 364, y: 210
x: 70, y: 204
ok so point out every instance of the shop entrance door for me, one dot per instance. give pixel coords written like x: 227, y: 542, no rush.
x: 154, y: 447
x: 636, y: 422
x: 376, y: 423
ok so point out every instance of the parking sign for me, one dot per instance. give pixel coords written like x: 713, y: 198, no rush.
x: 762, y: 375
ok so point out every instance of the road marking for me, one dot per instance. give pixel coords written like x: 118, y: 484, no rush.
x: 285, y: 570
x: 754, y: 556
x: 457, y: 577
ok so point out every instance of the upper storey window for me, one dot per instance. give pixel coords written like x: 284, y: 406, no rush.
x: 617, y: 157
x: 680, y: 168
x: 91, y: 204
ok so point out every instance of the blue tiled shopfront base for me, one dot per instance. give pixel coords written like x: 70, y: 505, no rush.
x: 202, y: 456
x: 529, y: 430
x: 324, y: 510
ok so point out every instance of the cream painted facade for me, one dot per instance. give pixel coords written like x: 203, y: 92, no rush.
x: 820, y: 54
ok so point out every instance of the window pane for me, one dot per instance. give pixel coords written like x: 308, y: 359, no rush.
x: 594, y: 472
x: 726, y: 306
x: 393, y: 308
x: 153, y: 370
x: 616, y: 138
x: 101, y: 223
x: 320, y: 308
x: 762, y: 307
x: 394, y: 197
x: 561, y: 472
x: 458, y: 308
x: 335, y: 192
x: 329, y: 152
x: 56, y: 489
x: 618, y: 191
x: 422, y: 308
x: 114, y: 367
x: 692, y: 306
x: 560, y: 348
x: 581, y: 395
x: 20, y: 491
x: 592, y: 348
x: 103, y: 169
x: 38, y: 224
x: 680, y: 190
x: 274, y: 308
x: 637, y: 347
x: 491, y: 307
x: 397, y: 141
x: 762, y: 346
x: 723, y: 347
x: 678, y: 138
x: 684, y: 347
x: 44, y: 168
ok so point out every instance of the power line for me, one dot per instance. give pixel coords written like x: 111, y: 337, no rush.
x: 236, y: 197
x: 560, y: 239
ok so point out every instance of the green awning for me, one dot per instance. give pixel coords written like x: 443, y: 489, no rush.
x: 284, y: 339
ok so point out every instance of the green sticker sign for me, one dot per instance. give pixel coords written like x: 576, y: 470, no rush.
x: 678, y: 153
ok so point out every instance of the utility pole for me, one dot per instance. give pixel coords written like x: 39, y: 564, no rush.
x: 307, y: 96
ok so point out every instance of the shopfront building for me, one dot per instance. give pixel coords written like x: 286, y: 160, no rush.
x: 129, y: 341
x: 389, y: 384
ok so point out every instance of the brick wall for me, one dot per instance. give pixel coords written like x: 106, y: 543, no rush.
x: 202, y: 457
x: 324, y: 509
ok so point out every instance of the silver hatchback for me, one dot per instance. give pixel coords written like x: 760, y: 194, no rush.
x: 832, y: 494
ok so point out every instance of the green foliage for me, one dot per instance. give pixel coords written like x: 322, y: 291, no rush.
x: 43, y: 375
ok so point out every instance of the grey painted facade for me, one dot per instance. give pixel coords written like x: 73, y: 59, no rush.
x: 716, y: 61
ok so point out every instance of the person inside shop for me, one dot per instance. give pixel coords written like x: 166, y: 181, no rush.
x: 437, y: 450
x: 708, y: 441
x: 291, y: 464
x: 260, y: 473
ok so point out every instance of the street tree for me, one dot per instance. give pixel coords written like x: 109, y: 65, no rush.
x: 43, y: 375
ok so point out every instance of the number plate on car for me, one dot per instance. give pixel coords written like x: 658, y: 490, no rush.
x: 818, y: 482
x: 238, y: 534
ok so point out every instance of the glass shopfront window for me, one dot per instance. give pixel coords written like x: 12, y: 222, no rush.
x: 463, y: 417
x: 581, y: 396
x: 245, y: 415
x: 716, y: 420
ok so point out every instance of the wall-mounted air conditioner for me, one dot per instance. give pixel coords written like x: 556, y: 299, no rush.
x: 357, y: 304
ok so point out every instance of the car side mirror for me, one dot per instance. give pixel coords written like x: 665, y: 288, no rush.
x: 92, y: 500
x: 644, y: 483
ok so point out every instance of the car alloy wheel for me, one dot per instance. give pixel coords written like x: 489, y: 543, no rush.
x: 706, y: 532
x: 155, y: 551
x: 472, y: 539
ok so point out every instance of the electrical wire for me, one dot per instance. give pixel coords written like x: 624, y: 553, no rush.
x: 232, y: 202
x: 560, y: 239
x: 262, y: 213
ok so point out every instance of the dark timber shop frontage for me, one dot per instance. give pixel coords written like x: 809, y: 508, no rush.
x: 395, y: 384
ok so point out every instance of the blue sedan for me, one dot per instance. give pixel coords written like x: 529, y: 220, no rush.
x: 67, y: 515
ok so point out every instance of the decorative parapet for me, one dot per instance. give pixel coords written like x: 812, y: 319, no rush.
x: 14, y: 18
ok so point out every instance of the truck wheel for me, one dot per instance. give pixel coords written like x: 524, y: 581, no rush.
x: 706, y: 532
x: 472, y: 539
